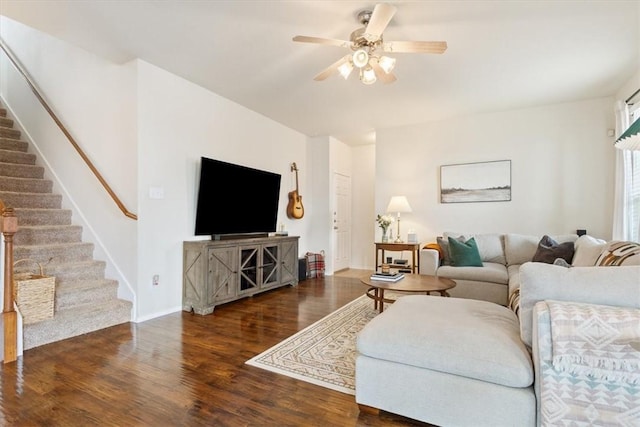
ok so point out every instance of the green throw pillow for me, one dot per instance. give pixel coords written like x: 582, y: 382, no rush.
x: 464, y: 254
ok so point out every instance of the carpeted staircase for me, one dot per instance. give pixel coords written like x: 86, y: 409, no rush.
x: 85, y: 300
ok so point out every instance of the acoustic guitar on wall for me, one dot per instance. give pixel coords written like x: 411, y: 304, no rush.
x: 295, y: 210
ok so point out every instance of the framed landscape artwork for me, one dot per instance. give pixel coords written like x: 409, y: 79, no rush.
x: 476, y: 182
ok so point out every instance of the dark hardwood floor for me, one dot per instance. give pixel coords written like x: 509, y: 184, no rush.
x: 186, y: 370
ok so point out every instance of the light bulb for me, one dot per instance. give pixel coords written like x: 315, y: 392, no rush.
x: 387, y: 63
x: 345, y: 69
x: 368, y: 76
x: 360, y: 58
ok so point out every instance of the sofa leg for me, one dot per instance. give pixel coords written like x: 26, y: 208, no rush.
x: 368, y: 409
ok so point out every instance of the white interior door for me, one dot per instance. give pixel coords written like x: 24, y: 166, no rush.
x: 341, y: 221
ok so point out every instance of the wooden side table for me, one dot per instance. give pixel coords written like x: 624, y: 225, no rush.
x: 399, y: 247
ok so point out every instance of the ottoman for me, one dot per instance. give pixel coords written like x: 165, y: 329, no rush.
x: 446, y: 361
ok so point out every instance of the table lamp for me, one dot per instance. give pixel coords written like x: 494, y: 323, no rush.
x: 398, y: 204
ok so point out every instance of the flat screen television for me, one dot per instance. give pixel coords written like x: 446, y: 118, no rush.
x: 235, y: 200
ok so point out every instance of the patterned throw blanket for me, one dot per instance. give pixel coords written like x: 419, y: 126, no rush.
x: 315, y: 264
x: 602, y: 342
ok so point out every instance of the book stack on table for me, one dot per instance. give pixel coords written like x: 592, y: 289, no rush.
x: 387, y: 277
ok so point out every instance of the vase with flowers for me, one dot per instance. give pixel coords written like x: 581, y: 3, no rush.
x: 384, y: 221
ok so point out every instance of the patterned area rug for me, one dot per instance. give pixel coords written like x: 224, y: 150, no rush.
x: 323, y: 353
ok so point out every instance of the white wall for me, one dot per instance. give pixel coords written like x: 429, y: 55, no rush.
x: 327, y: 156
x: 363, y: 206
x: 319, y: 185
x: 562, y: 170
x: 95, y: 100
x: 143, y: 127
x: 178, y: 122
x: 630, y: 87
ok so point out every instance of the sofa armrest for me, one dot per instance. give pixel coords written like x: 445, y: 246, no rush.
x: 616, y: 286
x: 429, y: 261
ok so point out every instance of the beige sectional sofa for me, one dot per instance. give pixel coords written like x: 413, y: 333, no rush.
x: 464, y: 362
x: 501, y: 254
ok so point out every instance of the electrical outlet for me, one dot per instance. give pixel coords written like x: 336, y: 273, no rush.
x: 156, y: 280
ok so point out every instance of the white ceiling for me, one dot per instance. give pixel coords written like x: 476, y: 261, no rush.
x: 501, y: 54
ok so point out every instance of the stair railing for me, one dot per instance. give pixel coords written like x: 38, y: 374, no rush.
x: 9, y: 227
x: 64, y: 130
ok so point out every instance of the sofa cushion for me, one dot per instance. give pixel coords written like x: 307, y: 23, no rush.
x: 464, y: 254
x: 490, y: 246
x: 587, y: 250
x: 491, y: 272
x: 618, y: 286
x: 618, y: 253
x: 549, y: 250
x: 520, y: 248
x: 469, y: 338
x: 513, y: 271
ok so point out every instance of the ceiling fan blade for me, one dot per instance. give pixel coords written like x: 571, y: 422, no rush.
x: 380, y: 73
x: 321, y: 40
x: 414, y: 47
x: 331, y: 68
x: 380, y: 18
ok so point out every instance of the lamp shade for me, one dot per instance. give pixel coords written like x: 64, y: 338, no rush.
x: 368, y: 76
x: 360, y: 58
x: 398, y: 204
x: 630, y: 139
x: 387, y: 63
x: 345, y: 69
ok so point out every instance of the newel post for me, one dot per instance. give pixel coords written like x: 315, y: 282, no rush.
x: 9, y: 227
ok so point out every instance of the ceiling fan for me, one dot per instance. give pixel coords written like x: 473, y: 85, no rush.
x: 366, y: 43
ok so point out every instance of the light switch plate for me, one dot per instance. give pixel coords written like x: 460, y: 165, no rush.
x: 156, y: 192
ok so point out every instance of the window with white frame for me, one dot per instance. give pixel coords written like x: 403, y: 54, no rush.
x: 632, y: 179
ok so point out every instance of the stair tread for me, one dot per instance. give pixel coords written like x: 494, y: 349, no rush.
x: 27, y: 193
x: 25, y: 157
x: 35, y: 185
x: 54, y: 245
x: 77, y: 320
x: 23, y: 178
x: 77, y: 263
x: 50, y: 227
x: 41, y: 209
x: 76, y: 285
x: 51, y: 267
x: 64, y: 314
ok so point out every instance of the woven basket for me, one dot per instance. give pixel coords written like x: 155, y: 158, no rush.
x: 34, y: 294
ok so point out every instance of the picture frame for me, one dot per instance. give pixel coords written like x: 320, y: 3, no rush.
x: 476, y: 182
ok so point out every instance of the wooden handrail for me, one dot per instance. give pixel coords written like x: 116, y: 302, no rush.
x: 9, y: 227
x: 64, y: 130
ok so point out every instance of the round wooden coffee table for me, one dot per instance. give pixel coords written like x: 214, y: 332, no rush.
x: 410, y: 283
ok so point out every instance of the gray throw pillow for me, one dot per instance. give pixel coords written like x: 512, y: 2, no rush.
x: 444, y: 246
x: 549, y: 250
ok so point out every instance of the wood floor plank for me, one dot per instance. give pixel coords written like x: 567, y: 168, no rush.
x: 184, y: 369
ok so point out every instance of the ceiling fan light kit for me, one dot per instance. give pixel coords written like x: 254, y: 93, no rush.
x: 368, y: 76
x: 360, y: 58
x: 387, y: 63
x: 365, y: 41
x: 345, y: 69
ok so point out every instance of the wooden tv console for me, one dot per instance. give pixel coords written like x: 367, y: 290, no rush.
x: 220, y: 271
